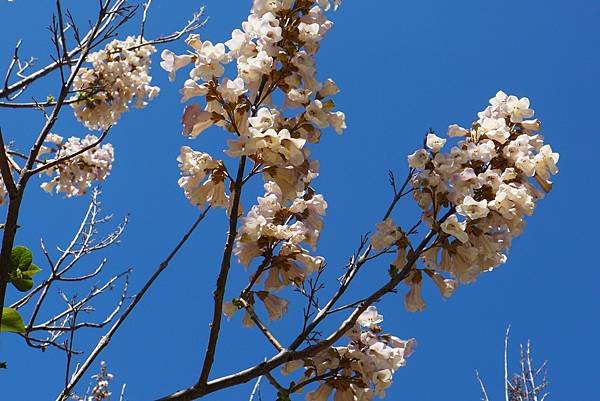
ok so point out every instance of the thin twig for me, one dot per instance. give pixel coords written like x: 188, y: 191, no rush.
x: 255, y: 388
x: 482, y: 386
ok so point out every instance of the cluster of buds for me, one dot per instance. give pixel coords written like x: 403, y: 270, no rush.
x: 360, y: 371
x: 117, y: 75
x: 74, y: 175
x: 476, y: 195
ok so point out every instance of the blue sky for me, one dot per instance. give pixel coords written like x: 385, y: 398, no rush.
x: 403, y: 67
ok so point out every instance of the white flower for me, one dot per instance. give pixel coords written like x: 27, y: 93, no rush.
x: 446, y: 286
x: 451, y: 226
x: 329, y: 88
x: 309, y: 32
x: 297, y: 97
x: 386, y: 235
x: 518, y: 108
x: 276, y: 307
x: 533, y: 125
x: 172, y: 62
x: 192, y: 89
x: 435, y: 143
x: 418, y: 159
x: 317, y: 115
x: 413, y: 301
x: 382, y: 380
x: 495, y: 129
x: 472, y: 208
x: 545, y: 162
x: 337, y: 121
x: 232, y: 90
x: 369, y: 317
x: 457, y: 131
x: 229, y: 309
x: 195, y: 120
x: 209, y: 59
x: 240, y: 43
x: 264, y: 119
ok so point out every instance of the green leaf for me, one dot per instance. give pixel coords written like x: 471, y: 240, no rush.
x: 12, y: 321
x: 22, y: 282
x: 20, y: 258
x: 31, y: 271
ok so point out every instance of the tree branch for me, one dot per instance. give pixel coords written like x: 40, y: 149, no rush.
x: 136, y: 299
x: 222, y: 279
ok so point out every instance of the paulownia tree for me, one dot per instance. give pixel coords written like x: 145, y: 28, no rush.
x: 474, y: 187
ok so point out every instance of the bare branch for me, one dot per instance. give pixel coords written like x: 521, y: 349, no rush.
x: 222, y: 278
x: 109, y: 16
x: 354, y: 266
x: 261, y: 326
x: 136, y: 299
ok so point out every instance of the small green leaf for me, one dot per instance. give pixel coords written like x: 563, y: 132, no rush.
x: 20, y: 258
x: 12, y: 321
x: 22, y: 283
x: 31, y: 271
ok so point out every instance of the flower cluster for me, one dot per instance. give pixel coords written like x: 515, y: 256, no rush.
x: 361, y: 370
x: 195, y: 167
x: 117, y: 75
x: 74, y: 174
x: 274, y: 51
x: 477, y: 194
x: 273, y: 222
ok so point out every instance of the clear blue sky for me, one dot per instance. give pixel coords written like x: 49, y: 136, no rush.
x: 404, y: 66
